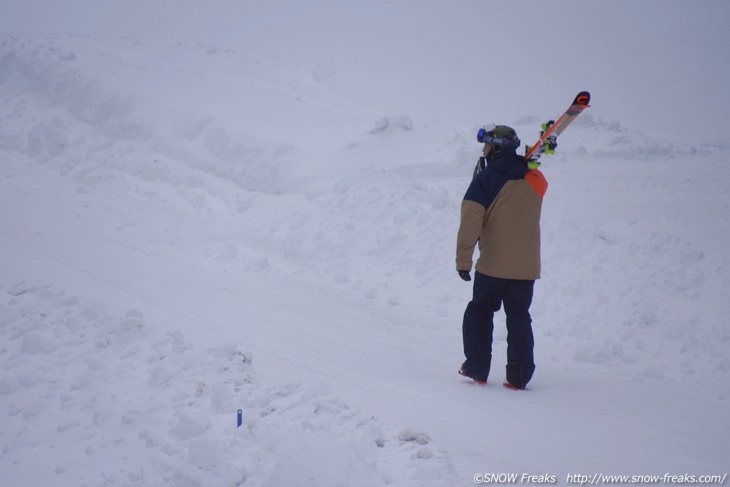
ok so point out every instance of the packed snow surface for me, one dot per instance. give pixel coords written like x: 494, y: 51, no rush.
x: 230, y: 206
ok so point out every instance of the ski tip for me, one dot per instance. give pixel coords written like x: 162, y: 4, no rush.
x: 583, y: 98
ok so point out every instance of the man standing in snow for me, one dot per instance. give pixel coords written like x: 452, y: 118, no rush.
x: 501, y: 210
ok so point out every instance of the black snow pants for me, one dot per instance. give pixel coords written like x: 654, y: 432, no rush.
x: 478, y: 326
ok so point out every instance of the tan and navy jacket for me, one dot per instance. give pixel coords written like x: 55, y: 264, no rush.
x: 501, y: 211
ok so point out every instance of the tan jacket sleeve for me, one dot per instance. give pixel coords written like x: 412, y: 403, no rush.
x: 472, y: 220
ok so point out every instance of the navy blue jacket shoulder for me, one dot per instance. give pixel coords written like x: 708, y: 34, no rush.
x: 485, y: 187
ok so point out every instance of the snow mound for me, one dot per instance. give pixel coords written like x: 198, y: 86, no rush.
x: 94, y: 399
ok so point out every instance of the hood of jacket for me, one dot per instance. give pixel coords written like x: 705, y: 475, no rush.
x: 509, y: 163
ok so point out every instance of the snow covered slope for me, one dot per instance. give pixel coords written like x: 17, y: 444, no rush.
x: 198, y: 226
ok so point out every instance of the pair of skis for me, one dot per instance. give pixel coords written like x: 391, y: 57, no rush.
x: 580, y: 103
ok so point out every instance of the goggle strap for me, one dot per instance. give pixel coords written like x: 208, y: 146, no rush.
x: 483, y: 138
x: 498, y: 140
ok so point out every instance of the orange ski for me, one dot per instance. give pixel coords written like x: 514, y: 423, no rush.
x: 580, y: 103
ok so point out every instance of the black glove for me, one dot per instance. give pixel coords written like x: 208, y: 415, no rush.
x: 464, y: 275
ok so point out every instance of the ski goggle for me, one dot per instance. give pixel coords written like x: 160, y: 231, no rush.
x: 485, y: 132
x: 486, y: 135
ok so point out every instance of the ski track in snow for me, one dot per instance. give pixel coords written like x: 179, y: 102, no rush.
x: 166, y: 265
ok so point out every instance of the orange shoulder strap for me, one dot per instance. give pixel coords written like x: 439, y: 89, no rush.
x: 537, y: 181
